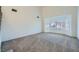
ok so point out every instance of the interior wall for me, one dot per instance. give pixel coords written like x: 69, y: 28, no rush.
x: 24, y: 22
x: 21, y: 23
x: 60, y: 11
x: 78, y: 22
x: 0, y: 24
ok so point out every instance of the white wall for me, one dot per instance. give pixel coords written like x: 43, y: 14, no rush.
x: 60, y: 11
x: 20, y: 23
x: 78, y: 23
x: 0, y: 40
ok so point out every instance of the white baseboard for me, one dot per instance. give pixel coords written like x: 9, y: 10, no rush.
x: 18, y: 36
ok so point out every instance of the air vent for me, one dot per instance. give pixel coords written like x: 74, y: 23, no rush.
x: 14, y: 10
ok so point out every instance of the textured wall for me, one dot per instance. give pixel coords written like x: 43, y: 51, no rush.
x: 21, y: 23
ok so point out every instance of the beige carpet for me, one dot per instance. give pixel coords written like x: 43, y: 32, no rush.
x: 42, y: 42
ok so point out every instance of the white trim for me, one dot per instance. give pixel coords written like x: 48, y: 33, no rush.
x: 19, y: 36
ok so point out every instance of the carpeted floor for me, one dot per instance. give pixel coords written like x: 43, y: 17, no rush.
x: 42, y: 42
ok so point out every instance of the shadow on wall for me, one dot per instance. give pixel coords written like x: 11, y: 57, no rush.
x: 0, y: 17
x: 0, y: 26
